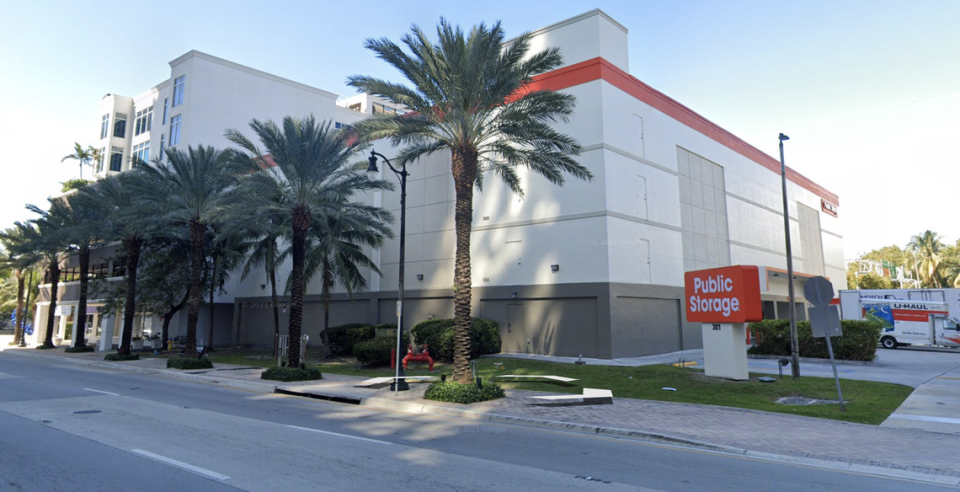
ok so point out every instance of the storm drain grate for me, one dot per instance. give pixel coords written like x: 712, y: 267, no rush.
x: 86, y: 412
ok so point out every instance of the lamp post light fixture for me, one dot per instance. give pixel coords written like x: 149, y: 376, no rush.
x: 794, y: 342
x: 399, y: 383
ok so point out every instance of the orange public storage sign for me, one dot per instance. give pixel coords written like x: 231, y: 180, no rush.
x: 723, y: 295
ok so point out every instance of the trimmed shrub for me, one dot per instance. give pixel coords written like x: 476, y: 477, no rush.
x: 453, y: 392
x: 44, y: 347
x: 292, y: 374
x: 438, y: 335
x: 859, y: 340
x: 186, y: 364
x: 77, y: 350
x: 377, y: 351
x: 122, y: 357
x: 344, y: 337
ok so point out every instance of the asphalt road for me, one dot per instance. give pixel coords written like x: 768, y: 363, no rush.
x: 149, y: 432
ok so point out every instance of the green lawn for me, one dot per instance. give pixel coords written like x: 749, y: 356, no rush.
x: 866, y: 401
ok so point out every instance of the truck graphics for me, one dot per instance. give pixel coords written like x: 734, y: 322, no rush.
x: 908, y: 316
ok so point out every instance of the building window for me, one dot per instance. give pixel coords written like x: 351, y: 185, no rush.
x: 116, y: 159
x: 380, y: 108
x: 163, y: 139
x: 119, y: 266
x: 165, y: 103
x: 141, y: 153
x: 104, y: 126
x: 178, y: 91
x: 144, y: 121
x: 342, y: 126
x: 175, y: 130
x: 120, y: 125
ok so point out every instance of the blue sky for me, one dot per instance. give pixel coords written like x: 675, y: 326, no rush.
x: 869, y: 91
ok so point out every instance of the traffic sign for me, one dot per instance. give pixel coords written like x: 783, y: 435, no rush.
x: 818, y: 291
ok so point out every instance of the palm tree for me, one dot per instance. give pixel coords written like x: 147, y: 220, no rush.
x: 126, y: 218
x: 335, y: 251
x: 264, y: 229
x: 189, y: 190
x: 21, y: 260
x: 83, y: 227
x: 47, y: 239
x: 226, y: 254
x: 83, y: 156
x: 926, y: 248
x: 308, y: 167
x: 469, y: 95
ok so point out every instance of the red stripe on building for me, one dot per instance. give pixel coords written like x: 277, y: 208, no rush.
x: 598, y: 68
x: 913, y: 315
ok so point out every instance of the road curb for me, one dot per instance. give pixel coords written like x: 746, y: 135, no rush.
x: 381, y: 403
x: 885, y: 470
x: 224, y: 382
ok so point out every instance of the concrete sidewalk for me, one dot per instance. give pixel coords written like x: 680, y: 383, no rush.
x: 889, y: 451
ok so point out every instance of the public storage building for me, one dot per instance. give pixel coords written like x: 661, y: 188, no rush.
x: 592, y: 268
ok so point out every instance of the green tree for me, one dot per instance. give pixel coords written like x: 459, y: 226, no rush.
x: 335, y: 251
x: 189, y: 192
x: 21, y: 259
x: 470, y: 95
x: 873, y: 281
x: 47, y: 239
x: 83, y: 228
x: 927, y: 247
x: 81, y: 155
x: 263, y: 229
x: 305, y: 175
x: 128, y: 219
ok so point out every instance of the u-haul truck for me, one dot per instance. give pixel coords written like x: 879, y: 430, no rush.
x: 908, y: 316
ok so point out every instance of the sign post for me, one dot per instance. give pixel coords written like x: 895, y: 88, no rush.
x: 723, y: 300
x: 824, y: 319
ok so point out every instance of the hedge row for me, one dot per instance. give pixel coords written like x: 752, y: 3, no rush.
x: 438, y: 335
x: 186, y: 364
x: 121, y: 357
x: 452, y: 392
x: 344, y: 337
x: 377, y: 350
x: 859, y: 340
x: 291, y: 374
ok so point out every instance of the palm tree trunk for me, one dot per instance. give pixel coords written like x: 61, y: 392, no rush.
x: 81, y: 324
x: 195, y: 298
x: 54, y: 284
x: 26, y: 308
x: 326, y: 303
x: 133, y: 247
x: 272, y: 273
x: 18, y: 328
x: 213, y: 288
x: 464, y: 169
x: 301, y: 222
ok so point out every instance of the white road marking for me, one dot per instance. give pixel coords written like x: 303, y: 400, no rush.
x: 179, y: 464
x: 924, y: 418
x: 339, y: 435
x: 103, y: 392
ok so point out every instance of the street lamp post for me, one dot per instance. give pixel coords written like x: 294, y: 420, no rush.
x: 399, y: 383
x: 794, y: 342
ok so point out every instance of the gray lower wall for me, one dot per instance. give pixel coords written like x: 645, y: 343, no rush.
x: 596, y: 320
